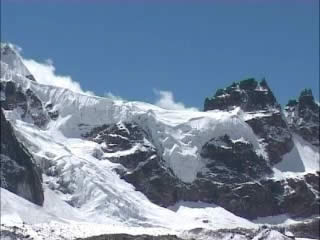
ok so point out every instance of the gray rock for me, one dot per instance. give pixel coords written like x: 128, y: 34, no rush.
x: 27, y: 104
x: 256, y: 97
x: 303, y: 117
x: 19, y: 174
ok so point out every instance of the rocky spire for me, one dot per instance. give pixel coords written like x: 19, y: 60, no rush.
x: 263, y: 113
x: 303, y: 116
x: 248, y: 94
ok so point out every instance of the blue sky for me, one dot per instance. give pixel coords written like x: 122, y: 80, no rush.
x: 191, y: 48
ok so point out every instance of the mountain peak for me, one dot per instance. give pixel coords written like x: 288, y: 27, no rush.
x: 306, y: 99
x: 303, y: 116
x: 249, y: 94
x: 12, y: 61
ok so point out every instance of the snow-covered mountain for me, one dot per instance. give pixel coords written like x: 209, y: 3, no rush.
x: 77, y: 165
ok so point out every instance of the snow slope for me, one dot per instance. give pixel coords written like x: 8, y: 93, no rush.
x: 303, y: 158
x: 178, y: 133
x: 10, y: 63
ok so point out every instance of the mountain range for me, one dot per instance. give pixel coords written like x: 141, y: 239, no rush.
x: 77, y: 166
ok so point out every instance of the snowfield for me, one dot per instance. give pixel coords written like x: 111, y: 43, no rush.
x: 97, y: 200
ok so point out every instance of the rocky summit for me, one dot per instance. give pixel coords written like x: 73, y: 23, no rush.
x: 78, y: 166
x: 303, y: 117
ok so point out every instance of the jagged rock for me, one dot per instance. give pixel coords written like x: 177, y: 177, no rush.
x: 231, y: 180
x: 230, y: 172
x: 247, y: 94
x: 235, y: 155
x: 309, y: 229
x: 274, y: 133
x: 123, y: 137
x: 144, y: 167
x: 253, y: 97
x: 303, y: 117
x: 27, y: 104
x: 294, y: 195
x: 234, y: 174
x: 301, y: 200
x: 156, y: 181
x: 19, y: 174
x: 13, y: 97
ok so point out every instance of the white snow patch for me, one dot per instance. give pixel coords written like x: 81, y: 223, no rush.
x: 303, y: 158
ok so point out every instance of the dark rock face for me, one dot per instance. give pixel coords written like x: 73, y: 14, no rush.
x: 27, y: 104
x: 143, y: 166
x: 123, y: 137
x: 233, y: 178
x: 237, y: 156
x: 247, y: 94
x: 14, y: 97
x: 308, y: 229
x: 303, y: 117
x: 295, y: 195
x: 19, y: 174
x: 274, y: 133
x: 249, y: 199
x: 253, y: 97
x: 263, y: 197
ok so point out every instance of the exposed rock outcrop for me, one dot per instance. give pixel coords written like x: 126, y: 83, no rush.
x: 19, y: 174
x: 309, y: 229
x: 233, y: 177
x: 303, y: 117
x: 234, y: 173
x: 248, y: 94
x: 129, y: 145
x: 238, y: 156
x: 264, y: 114
x: 26, y: 103
x: 13, y: 97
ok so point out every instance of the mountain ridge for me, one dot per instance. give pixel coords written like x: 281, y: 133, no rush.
x: 226, y: 156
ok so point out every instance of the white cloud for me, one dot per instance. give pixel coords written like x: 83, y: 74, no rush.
x: 45, y: 73
x: 112, y: 96
x: 166, y: 100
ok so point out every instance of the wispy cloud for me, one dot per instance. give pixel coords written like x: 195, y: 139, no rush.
x: 45, y: 73
x: 112, y: 96
x: 165, y: 99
